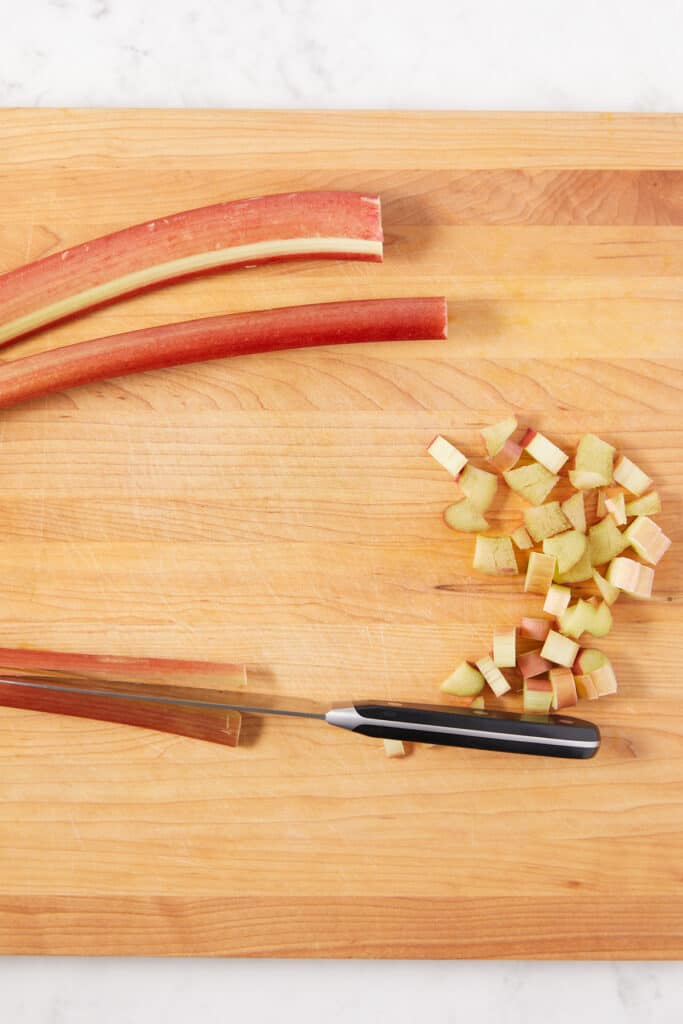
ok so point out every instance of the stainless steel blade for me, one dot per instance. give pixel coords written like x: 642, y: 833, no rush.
x: 154, y: 693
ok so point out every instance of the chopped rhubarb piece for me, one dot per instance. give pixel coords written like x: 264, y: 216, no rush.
x: 505, y: 648
x: 532, y: 664
x: 557, y: 600
x: 631, y: 477
x: 539, y: 573
x: 544, y: 451
x: 534, y: 629
x: 464, y: 681
x: 294, y: 225
x: 559, y: 649
x: 579, y: 572
x: 588, y: 659
x: 647, y: 539
x: 649, y: 505
x: 630, y: 576
x: 495, y: 556
x: 235, y: 334
x: 608, y: 592
x: 593, y: 463
x: 601, y: 504
x: 447, y: 455
x: 584, y: 617
x: 538, y: 696
x: 568, y: 548
x: 586, y: 688
x: 545, y: 520
x: 507, y: 457
x: 478, y: 485
x: 465, y: 517
x: 564, y: 688
x: 533, y: 482
x: 604, y: 680
x: 496, y: 435
x: 521, y: 538
x: 616, y: 507
x: 493, y: 676
x: 575, y: 511
x: 394, y: 748
x: 478, y: 704
x: 605, y: 541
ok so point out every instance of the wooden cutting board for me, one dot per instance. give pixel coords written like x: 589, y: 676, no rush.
x: 281, y: 510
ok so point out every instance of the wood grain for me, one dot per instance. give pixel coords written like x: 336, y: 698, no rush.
x: 280, y: 510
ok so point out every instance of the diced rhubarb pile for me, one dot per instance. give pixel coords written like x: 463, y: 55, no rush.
x: 614, y: 552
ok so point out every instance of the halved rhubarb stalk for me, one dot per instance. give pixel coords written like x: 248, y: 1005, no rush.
x: 235, y: 334
x: 293, y: 225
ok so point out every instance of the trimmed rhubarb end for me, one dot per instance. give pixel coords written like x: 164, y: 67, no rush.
x: 235, y: 334
x: 246, y: 232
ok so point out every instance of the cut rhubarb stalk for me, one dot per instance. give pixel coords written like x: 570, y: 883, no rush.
x: 544, y: 451
x: 505, y: 648
x: 584, y: 617
x: 465, y: 517
x: 521, y: 538
x: 532, y: 664
x: 495, y: 556
x: 586, y: 688
x: 236, y: 334
x: 545, y: 520
x: 631, y: 477
x: 539, y: 573
x: 478, y: 704
x: 496, y: 435
x: 557, y: 600
x: 593, y: 463
x: 538, y: 696
x: 649, y: 505
x: 533, y: 482
x: 564, y: 688
x: 394, y: 748
x: 507, y: 457
x: 465, y: 681
x: 559, y: 649
x: 534, y: 629
x: 568, y: 548
x: 294, y: 225
x: 647, y: 539
x: 493, y: 676
x: 575, y: 511
x: 478, y: 485
x: 447, y: 455
x: 631, y: 576
x: 616, y: 507
x: 588, y: 659
x: 604, y: 680
x: 605, y: 541
x: 608, y: 592
x: 583, y: 570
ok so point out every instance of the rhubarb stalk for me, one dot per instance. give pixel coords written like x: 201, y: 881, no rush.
x: 235, y: 334
x: 294, y: 225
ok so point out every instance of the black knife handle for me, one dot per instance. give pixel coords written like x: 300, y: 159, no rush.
x: 549, y: 735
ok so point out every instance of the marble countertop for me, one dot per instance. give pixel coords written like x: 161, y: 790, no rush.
x: 456, y: 54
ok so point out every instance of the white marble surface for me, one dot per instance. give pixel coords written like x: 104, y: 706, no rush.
x: 468, y: 54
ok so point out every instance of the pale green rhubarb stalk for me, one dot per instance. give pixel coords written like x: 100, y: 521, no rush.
x: 235, y: 334
x: 246, y: 232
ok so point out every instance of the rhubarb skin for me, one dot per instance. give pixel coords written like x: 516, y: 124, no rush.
x: 246, y: 232
x: 235, y: 334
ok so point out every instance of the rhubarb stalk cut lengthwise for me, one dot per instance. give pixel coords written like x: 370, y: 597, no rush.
x: 235, y: 334
x: 294, y: 225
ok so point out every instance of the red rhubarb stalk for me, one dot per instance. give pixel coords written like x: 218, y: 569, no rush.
x: 294, y: 225
x: 235, y: 334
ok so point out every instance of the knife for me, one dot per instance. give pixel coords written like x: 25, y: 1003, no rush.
x: 549, y: 735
